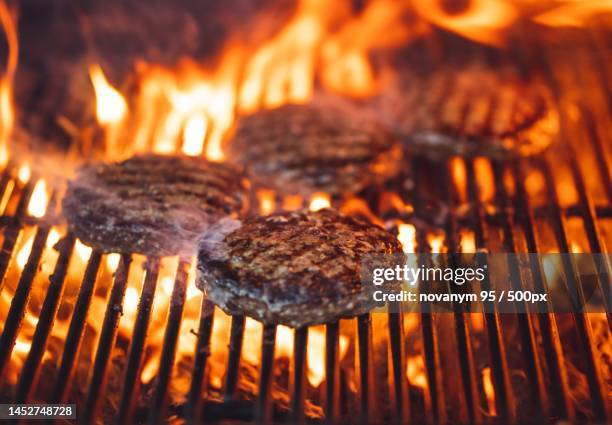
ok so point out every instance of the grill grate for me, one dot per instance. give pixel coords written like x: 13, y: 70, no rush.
x: 513, y: 218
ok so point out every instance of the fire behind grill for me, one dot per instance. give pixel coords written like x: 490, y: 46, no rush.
x: 475, y: 368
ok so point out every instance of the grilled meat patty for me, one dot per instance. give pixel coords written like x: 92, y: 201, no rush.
x: 303, y: 149
x: 295, y: 268
x: 152, y: 204
x: 470, y: 111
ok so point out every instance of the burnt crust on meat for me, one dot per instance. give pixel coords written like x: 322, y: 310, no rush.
x: 152, y: 204
x: 469, y: 111
x: 295, y: 268
x: 304, y: 149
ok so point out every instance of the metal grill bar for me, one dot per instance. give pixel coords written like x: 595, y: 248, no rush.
x: 430, y: 338
x: 366, y: 381
x: 106, y: 342
x: 585, y: 332
x: 499, y: 365
x: 45, y: 321
x: 133, y: 367
x: 398, y: 363
x: 12, y: 232
x: 166, y: 362
x: 526, y: 330
x: 561, y: 405
x: 263, y: 411
x: 76, y: 328
x: 201, y: 356
x: 233, y: 363
x: 332, y: 373
x: 21, y: 297
x: 299, y: 375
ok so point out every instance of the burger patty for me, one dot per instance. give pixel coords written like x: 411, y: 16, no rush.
x: 152, y: 204
x: 471, y: 111
x: 294, y: 268
x: 303, y: 149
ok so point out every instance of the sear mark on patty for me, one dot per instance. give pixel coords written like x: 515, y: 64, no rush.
x: 295, y: 268
x: 303, y: 149
x: 152, y: 204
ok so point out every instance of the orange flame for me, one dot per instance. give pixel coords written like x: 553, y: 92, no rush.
x: 485, y: 21
x: 111, y: 107
x: 572, y: 13
x: 24, y: 173
x: 39, y: 200
x: 415, y: 371
x: 407, y: 237
x: 7, y: 113
x: 487, y: 383
x: 318, y: 201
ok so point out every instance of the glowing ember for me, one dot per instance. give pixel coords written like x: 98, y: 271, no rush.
x: 39, y: 200
x: 319, y: 201
x: 111, y: 107
x: 7, y: 113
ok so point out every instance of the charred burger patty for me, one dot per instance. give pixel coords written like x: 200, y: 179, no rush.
x: 295, y: 268
x: 151, y: 204
x: 474, y: 110
x: 302, y: 149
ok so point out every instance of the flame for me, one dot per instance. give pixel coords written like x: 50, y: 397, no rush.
x: 315, y: 354
x: 572, y: 13
x: 23, y: 175
x: 485, y: 21
x: 194, y: 134
x: 346, y: 66
x: 83, y: 251
x: 24, y: 252
x: 112, y: 261
x: 407, y: 237
x: 318, y: 201
x: 315, y: 350
x: 436, y: 243
x: 415, y: 371
x: 282, y: 70
x: 292, y: 202
x: 8, y: 191
x: 111, y: 107
x: 267, y: 203
x: 484, y: 177
x: 459, y: 174
x: 468, y: 242
x: 7, y: 113
x: 193, y: 107
x: 487, y: 384
x: 39, y: 200
x: 53, y: 238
